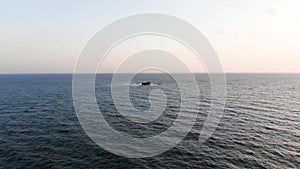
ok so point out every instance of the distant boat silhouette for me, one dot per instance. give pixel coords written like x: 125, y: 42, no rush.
x: 146, y: 83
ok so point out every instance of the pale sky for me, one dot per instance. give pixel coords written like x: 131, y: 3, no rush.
x: 248, y: 36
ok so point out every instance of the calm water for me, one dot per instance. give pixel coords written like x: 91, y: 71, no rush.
x: 260, y: 127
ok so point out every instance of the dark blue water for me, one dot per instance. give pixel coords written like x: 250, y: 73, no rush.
x: 260, y: 127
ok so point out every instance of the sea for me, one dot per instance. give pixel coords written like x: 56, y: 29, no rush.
x: 259, y: 128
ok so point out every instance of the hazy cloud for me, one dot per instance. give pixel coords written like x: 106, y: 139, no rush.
x: 270, y: 11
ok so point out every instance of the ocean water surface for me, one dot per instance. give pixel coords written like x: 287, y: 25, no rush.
x: 260, y: 127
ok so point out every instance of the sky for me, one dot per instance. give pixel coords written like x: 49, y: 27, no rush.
x: 248, y: 36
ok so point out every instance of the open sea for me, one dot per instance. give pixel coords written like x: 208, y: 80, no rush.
x: 260, y: 127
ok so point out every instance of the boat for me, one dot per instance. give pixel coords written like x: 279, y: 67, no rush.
x: 146, y: 83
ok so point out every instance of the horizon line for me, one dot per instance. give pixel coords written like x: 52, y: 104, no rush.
x: 37, y: 73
